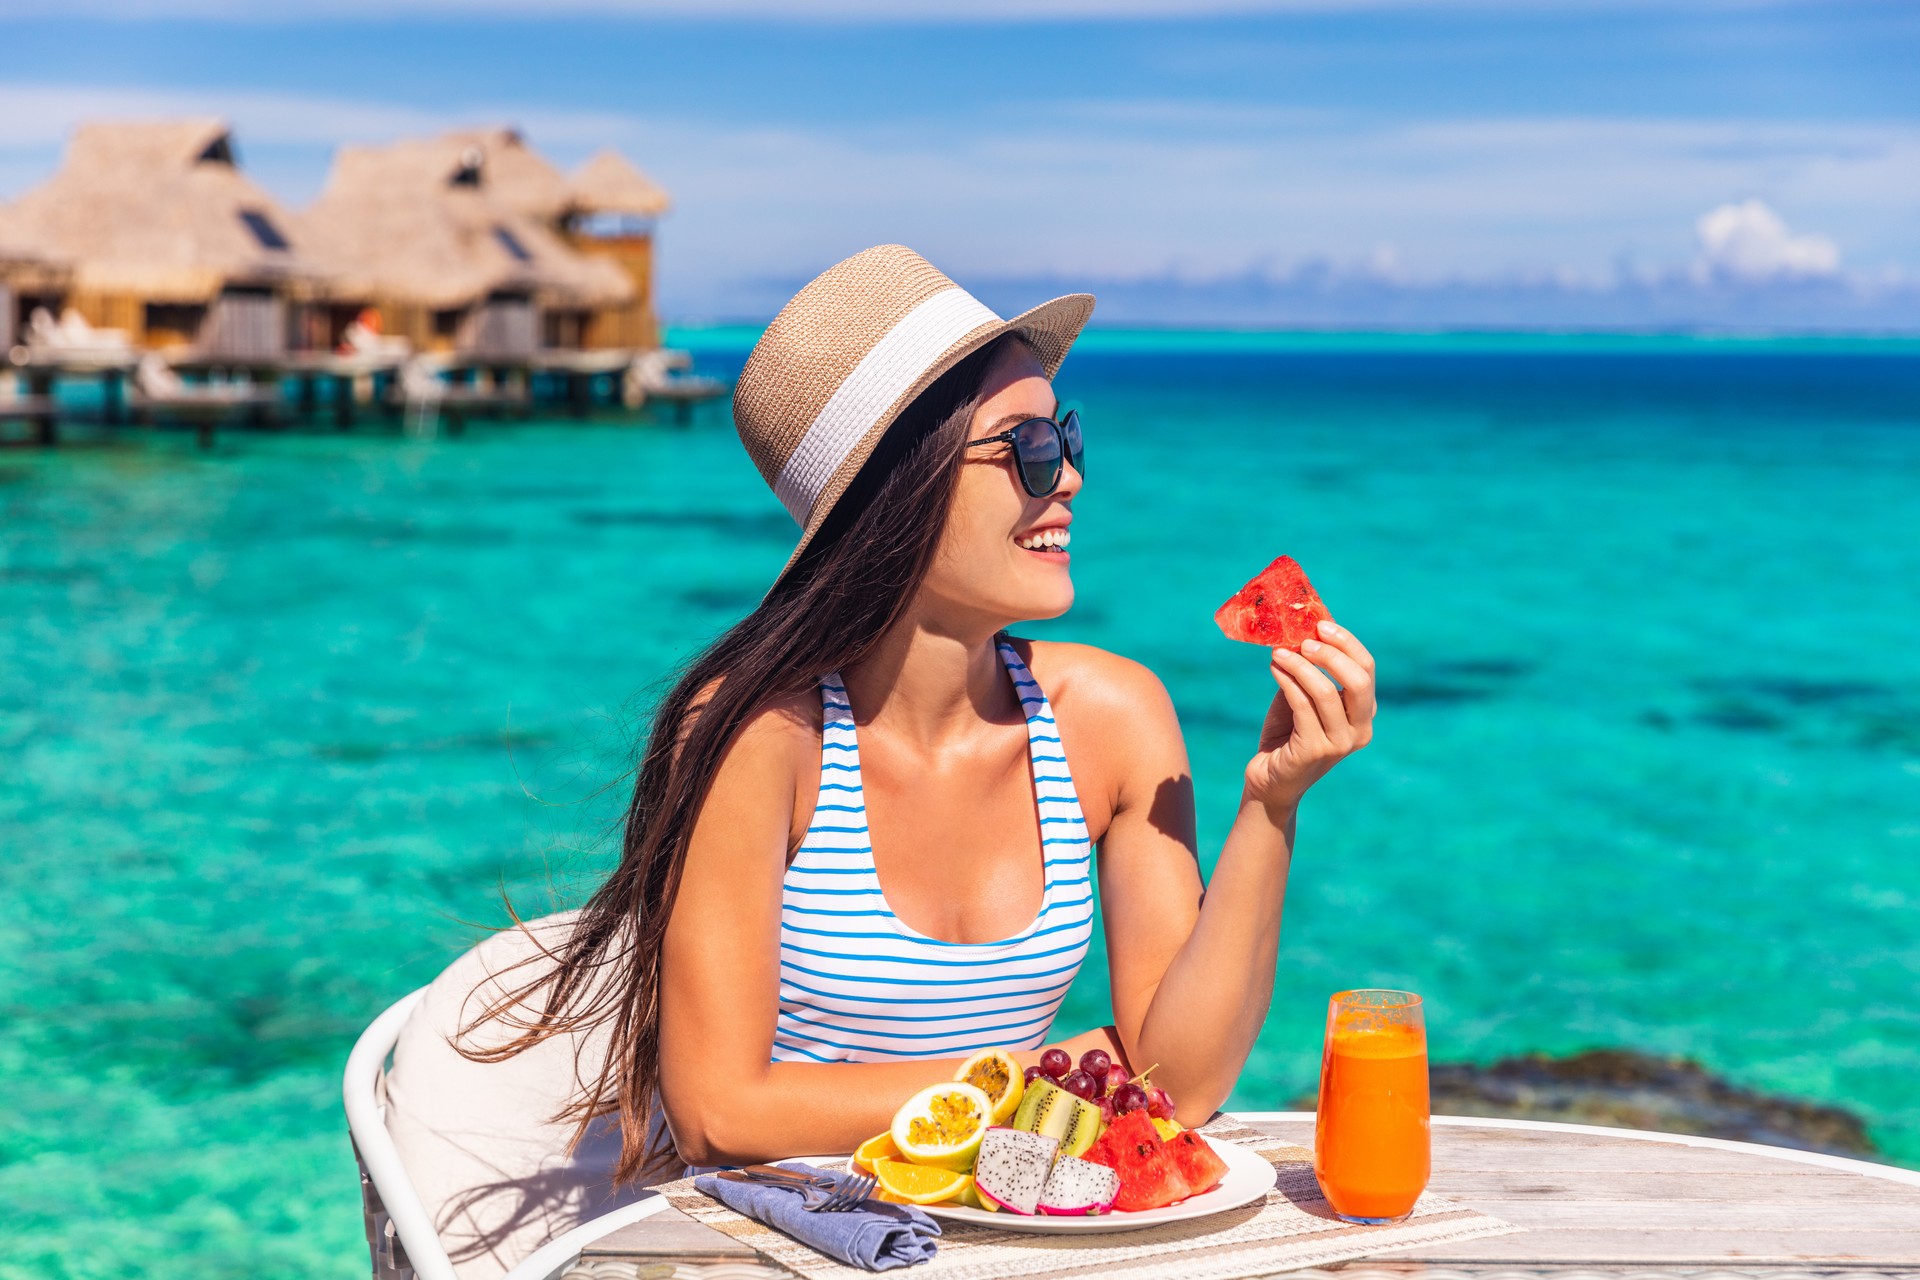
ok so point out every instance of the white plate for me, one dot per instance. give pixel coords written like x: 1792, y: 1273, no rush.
x: 1248, y: 1178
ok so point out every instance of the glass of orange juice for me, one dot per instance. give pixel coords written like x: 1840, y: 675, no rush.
x: 1372, y: 1147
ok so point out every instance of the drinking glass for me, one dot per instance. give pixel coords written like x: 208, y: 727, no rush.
x: 1372, y: 1145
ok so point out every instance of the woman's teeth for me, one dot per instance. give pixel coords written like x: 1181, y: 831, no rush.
x: 1044, y: 540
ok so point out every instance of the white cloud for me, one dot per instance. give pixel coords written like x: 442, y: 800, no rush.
x: 1749, y: 241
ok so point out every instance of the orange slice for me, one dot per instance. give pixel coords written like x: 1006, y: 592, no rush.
x: 905, y: 1183
x: 878, y: 1147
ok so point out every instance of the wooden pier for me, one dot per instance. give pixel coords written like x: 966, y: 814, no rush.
x: 423, y: 394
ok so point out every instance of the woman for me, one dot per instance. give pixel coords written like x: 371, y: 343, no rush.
x: 862, y: 834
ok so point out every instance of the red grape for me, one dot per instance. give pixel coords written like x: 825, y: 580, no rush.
x: 1159, y: 1103
x: 1055, y: 1063
x: 1106, y: 1110
x: 1033, y: 1073
x: 1129, y: 1097
x: 1116, y: 1076
x: 1095, y: 1063
x: 1079, y: 1084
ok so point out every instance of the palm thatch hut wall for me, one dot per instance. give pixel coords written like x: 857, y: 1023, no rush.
x: 28, y: 279
x: 610, y: 212
x: 170, y: 242
x: 435, y: 230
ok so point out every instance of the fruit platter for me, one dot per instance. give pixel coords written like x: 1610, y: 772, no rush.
x: 1059, y: 1147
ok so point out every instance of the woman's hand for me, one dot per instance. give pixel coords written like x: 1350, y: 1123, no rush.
x: 1313, y: 724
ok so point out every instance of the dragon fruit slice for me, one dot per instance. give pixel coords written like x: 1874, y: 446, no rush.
x: 1077, y: 1187
x: 1012, y: 1167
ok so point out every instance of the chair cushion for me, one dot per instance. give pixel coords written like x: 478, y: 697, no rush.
x: 479, y: 1139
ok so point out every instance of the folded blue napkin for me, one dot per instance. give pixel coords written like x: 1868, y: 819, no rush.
x: 877, y: 1237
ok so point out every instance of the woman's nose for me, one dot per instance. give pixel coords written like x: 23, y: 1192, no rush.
x: 1070, y: 480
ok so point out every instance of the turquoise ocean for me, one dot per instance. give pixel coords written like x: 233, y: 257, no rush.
x: 281, y: 721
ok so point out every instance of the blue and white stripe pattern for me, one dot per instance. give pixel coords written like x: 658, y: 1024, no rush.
x: 858, y: 985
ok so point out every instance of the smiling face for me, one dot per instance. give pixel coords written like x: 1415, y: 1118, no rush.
x: 1003, y: 555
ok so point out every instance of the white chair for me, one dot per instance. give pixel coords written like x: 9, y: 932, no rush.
x: 464, y: 1172
x: 399, y: 1232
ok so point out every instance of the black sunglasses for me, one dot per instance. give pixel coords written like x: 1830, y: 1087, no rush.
x: 1039, y: 445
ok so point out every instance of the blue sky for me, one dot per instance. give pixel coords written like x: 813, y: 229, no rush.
x: 1233, y: 161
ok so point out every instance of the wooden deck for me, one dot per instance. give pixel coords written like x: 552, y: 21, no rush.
x: 355, y: 385
x: 1594, y: 1203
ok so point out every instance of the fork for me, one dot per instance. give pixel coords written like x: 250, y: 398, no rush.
x: 817, y: 1195
x: 849, y: 1193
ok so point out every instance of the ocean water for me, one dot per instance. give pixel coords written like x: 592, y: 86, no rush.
x: 281, y: 722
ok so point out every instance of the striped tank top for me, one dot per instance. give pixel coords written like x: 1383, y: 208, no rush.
x: 859, y: 985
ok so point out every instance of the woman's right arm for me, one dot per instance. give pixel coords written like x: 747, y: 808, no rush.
x: 726, y: 1102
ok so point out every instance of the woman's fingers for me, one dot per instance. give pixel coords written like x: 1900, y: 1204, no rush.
x: 1356, y: 681
x: 1329, y: 710
x: 1306, y: 717
x: 1329, y: 721
x: 1344, y: 640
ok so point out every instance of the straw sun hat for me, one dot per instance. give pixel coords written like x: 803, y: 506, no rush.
x: 849, y: 352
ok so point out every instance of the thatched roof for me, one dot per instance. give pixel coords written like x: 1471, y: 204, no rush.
x: 443, y: 222
x: 516, y: 175
x: 609, y: 183
x: 22, y: 266
x: 159, y: 209
x: 523, y: 180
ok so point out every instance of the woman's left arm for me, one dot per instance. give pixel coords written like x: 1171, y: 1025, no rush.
x: 1192, y: 973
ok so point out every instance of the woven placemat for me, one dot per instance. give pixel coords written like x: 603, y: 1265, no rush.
x: 1292, y: 1227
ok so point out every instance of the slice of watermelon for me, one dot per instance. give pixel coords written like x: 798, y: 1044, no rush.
x: 1197, y: 1162
x: 1149, y: 1178
x: 1126, y: 1130
x: 1278, y: 609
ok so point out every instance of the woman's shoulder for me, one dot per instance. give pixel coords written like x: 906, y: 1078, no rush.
x: 787, y: 725
x: 761, y: 779
x: 784, y: 727
x: 1091, y: 679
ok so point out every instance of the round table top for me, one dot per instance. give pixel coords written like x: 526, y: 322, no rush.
x: 1617, y: 1201
x: 1593, y: 1202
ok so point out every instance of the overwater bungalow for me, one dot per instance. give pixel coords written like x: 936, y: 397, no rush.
x: 172, y: 245
x: 459, y: 241
x: 606, y: 209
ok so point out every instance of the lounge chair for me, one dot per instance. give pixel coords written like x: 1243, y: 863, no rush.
x: 424, y: 396
x: 158, y: 388
x: 358, y: 340
x: 464, y: 1171
x: 659, y: 375
x: 71, y: 337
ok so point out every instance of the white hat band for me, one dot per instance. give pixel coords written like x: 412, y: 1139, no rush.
x: 883, y: 375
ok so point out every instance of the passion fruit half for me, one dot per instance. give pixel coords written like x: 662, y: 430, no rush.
x: 941, y: 1125
x: 995, y: 1073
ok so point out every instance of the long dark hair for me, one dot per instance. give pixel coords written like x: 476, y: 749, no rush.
x: 827, y: 613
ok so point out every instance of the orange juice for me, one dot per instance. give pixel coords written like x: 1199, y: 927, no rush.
x: 1372, y: 1151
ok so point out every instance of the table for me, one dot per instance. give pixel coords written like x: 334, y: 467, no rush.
x: 1596, y: 1202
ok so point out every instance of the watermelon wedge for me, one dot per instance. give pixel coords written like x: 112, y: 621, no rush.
x: 1149, y: 1177
x: 1277, y: 610
x: 1197, y: 1162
